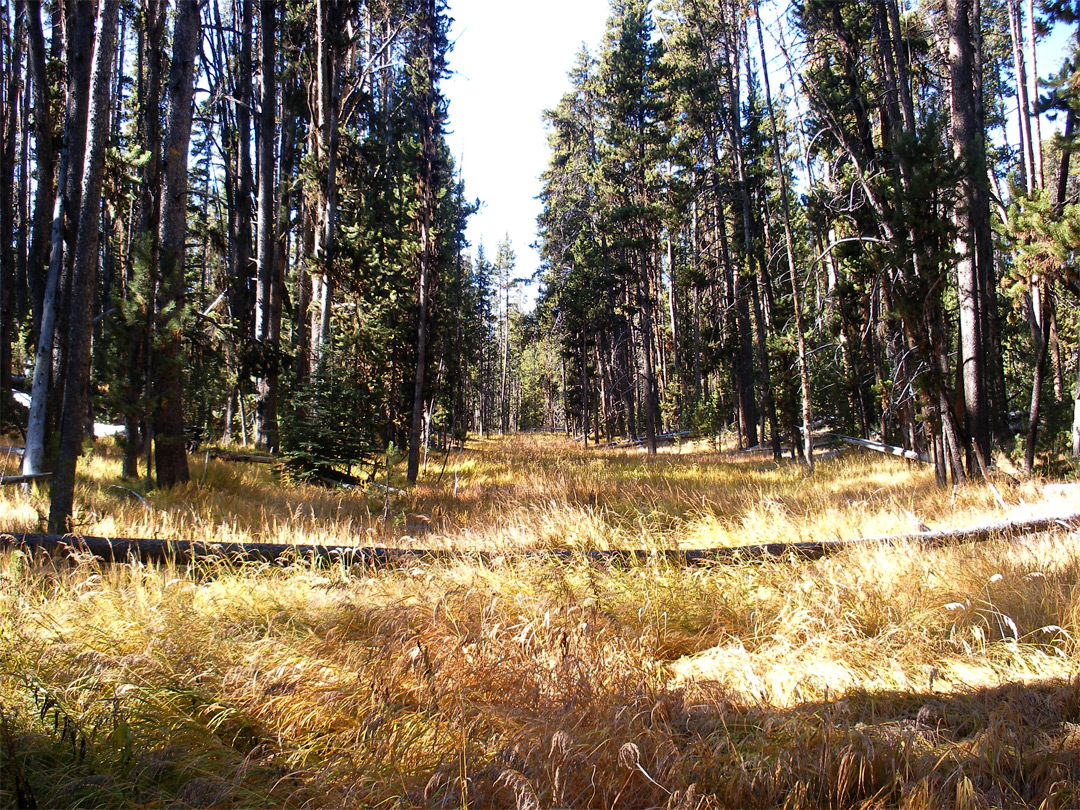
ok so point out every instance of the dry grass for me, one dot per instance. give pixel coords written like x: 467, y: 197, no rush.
x: 889, y: 677
x: 533, y: 491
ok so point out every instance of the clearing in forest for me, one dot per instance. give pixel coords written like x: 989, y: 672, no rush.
x: 539, y: 491
x: 890, y: 675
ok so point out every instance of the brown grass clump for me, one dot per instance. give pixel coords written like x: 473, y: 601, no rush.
x: 891, y: 676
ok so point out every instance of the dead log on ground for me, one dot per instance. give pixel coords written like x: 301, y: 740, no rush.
x: 23, y: 479
x: 878, y: 447
x: 249, y: 458
x: 184, y: 551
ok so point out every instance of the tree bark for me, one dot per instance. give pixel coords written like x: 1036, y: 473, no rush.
x: 171, y: 454
x: 645, y: 302
x: 11, y: 97
x: 44, y: 154
x: 267, y: 316
x: 796, y: 295
x: 325, y: 147
x: 77, y: 363
x: 79, y: 34
x: 426, y: 182
x: 969, y: 150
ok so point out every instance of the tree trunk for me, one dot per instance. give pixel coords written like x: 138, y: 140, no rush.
x: 77, y: 364
x: 645, y: 303
x: 171, y: 454
x: 796, y: 295
x: 38, y: 258
x: 1031, y: 438
x: 266, y: 315
x: 1033, y: 95
x: 79, y: 24
x: 326, y: 141
x: 968, y: 148
x: 428, y: 250
x: 12, y: 100
x: 149, y: 218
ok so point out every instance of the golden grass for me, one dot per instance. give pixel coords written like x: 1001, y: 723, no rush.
x: 889, y: 676
x: 533, y: 491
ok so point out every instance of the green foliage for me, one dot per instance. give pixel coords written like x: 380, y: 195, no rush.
x: 330, y: 429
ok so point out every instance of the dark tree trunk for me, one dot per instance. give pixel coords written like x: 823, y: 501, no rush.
x: 242, y: 302
x: 428, y: 251
x: 171, y: 454
x: 968, y: 148
x: 79, y: 24
x: 44, y: 153
x: 12, y: 104
x: 77, y: 356
x: 150, y: 57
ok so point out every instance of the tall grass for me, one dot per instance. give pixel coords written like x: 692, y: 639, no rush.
x: 534, y: 492
x: 892, y: 676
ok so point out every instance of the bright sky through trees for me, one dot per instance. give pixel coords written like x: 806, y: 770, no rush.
x: 510, y: 62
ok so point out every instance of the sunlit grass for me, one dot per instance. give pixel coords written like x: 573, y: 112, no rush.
x: 536, y: 492
x: 883, y: 676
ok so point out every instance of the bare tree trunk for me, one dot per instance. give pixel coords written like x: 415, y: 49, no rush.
x: 676, y: 346
x: 33, y: 462
x: 796, y: 295
x: 11, y: 96
x: 1027, y: 156
x: 77, y: 365
x: 266, y: 384
x: 743, y: 371
x: 38, y: 258
x: 428, y: 251
x: 171, y: 454
x: 79, y: 24
x: 969, y: 149
x: 149, y: 219
x: 1033, y: 95
x: 646, y: 305
x: 1031, y: 438
x: 326, y: 140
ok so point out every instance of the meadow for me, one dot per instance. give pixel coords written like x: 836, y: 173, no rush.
x: 886, y: 675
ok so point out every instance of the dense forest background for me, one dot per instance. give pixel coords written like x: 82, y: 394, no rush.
x: 240, y: 222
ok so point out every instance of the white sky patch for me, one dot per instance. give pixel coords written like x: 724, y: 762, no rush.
x: 510, y: 63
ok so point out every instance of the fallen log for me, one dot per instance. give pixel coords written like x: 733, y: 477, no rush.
x: 250, y: 458
x: 23, y: 479
x: 884, y: 448
x: 184, y: 551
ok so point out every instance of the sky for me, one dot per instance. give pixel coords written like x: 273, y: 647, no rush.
x: 510, y: 63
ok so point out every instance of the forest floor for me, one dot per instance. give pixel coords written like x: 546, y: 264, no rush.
x: 891, y: 675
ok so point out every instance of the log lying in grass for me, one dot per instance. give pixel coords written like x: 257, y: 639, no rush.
x: 23, y: 479
x: 250, y: 458
x: 884, y: 448
x: 661, y: 438
x: 184, y: 551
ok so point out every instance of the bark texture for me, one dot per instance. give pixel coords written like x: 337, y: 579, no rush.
x: 84, y: 272
x: 171, y: 455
